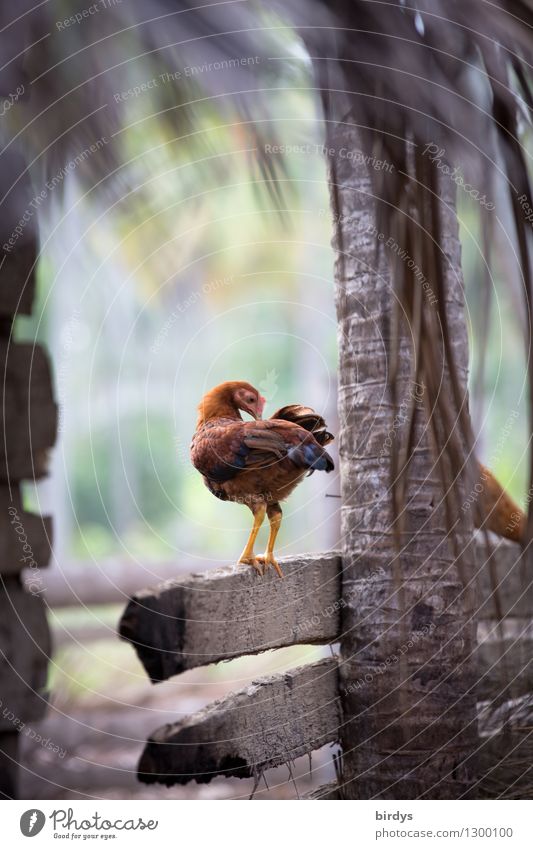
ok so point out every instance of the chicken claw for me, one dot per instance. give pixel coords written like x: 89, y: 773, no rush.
x: 252, y: 561
x: 269, y: 560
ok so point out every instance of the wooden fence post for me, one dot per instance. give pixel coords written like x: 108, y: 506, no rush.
x: 405, y: 685
x: 214, y: 616
x: 28, y: 420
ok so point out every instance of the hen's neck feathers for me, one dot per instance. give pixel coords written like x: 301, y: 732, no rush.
x: 216, y: 405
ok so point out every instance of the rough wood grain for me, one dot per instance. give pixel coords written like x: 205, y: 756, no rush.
x: 433, y: 710
x: 28, y: 416
x: 273, y: 721
x: 24, y: 654
x: 25, y: 538
x: 230, y: 612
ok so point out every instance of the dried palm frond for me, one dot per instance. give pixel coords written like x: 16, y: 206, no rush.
x: 417, y: 79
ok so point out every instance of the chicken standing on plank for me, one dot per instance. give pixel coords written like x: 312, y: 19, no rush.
x: 257, y: 463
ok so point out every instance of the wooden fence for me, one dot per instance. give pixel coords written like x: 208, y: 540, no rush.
x: 216, y: 616
x: 29, y: 420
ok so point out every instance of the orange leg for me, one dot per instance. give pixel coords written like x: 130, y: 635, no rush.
x: 248, y: 557
x: 267, y: 559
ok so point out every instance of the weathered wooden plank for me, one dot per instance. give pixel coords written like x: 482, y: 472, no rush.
x: 25, y: 538
x: 24, y: 653
x: 504, y: 659
x: 18, y: 220
x: 232, y: 611
x: 229, y: 612
x: 273, y: 721
x: 28, y: 415
x: 17, y: 279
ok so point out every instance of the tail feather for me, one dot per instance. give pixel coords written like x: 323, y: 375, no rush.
x: 309, y: 455
x: 307, y: 418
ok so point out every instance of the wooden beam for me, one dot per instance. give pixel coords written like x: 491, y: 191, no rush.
x: 17, y: 279
x: 28, y: 416
x: 18, y: 219
x: 273, y: 721
x: 233, y: 611
x: 24, y: 653
x: 225, y: 613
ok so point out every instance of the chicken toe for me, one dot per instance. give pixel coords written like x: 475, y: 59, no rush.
x: 267, y: 560
x: 252, y: 561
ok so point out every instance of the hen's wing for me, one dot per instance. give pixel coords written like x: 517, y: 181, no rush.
x: 221, y: 451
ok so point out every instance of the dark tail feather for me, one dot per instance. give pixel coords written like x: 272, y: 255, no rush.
x: 306, y: 418
x: 310, y: 455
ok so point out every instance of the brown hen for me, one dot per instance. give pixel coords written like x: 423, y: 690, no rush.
x: 257, y: 463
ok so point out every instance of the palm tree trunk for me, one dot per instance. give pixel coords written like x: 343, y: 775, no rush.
x: 409, y: 720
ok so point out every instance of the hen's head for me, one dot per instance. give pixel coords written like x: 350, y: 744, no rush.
x: 228, y: 398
